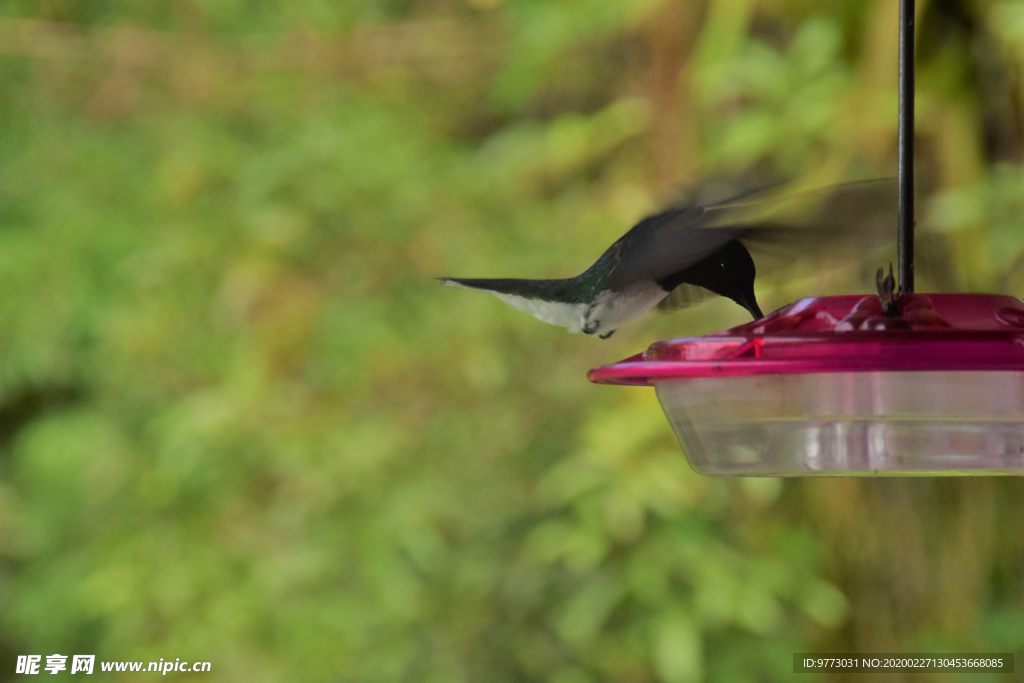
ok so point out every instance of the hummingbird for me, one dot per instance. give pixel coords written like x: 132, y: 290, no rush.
x: 699, y: 243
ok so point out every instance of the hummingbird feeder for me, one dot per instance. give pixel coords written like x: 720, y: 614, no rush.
x: 900, y: 383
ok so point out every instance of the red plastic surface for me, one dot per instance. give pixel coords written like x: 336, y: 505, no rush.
x: 843, y: 334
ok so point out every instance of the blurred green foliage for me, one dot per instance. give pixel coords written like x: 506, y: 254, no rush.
x: 240, y: 423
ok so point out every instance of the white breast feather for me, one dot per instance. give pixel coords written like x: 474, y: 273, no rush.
x: 613, y: 310
x: 566, y: 315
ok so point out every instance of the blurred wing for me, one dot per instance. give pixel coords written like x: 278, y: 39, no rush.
x: 663, y: 244
x: 852, y: 218
x: 852, y: 214
x: 684, y: 296
x: 846, y: 231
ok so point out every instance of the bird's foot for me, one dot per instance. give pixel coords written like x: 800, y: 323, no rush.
x: 606, y: 335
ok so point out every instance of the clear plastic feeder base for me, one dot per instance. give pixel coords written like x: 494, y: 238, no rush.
x: 850, y: 423
x: 834, y: 387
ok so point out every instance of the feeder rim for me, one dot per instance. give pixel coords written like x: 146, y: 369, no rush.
x: 965, y: 332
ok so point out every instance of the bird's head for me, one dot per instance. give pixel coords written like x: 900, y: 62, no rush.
x: 728, y: 272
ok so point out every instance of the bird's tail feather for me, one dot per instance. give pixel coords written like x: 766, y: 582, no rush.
x: 504, y: 285
x: 557, y: 290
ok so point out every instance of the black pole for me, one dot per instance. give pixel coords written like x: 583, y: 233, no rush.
x: 906, y: 146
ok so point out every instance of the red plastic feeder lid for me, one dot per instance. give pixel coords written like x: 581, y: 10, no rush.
x: 933, y: 332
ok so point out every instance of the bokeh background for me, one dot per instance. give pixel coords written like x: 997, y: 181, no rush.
x: 239, y: 421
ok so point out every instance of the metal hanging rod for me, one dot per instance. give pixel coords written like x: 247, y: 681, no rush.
x: 906, y: 146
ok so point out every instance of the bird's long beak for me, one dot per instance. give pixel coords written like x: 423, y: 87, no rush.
x: 749, y: 302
